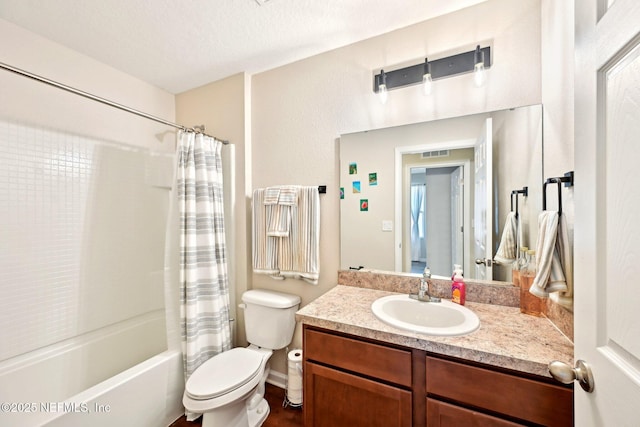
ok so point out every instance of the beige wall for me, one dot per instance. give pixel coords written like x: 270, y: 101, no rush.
x: 558, y: 73
x: 557, y: 95
x: 294, y: 115
x: 300, y: 110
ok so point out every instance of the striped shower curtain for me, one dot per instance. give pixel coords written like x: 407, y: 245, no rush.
x: 204, y: 295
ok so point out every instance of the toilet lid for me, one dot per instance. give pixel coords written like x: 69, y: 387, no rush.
x: 223, y: 373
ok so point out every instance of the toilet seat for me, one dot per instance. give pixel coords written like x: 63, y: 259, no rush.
x: 224, y: 373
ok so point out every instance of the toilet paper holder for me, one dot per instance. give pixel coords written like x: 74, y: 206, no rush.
x: 293, y: 383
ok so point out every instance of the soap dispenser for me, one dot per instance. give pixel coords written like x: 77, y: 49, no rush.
x: 458, y: 291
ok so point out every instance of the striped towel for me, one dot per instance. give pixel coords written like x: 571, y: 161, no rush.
x: 296, y: 254
x: 507, y: 250
x: 554, y: 272
x: 278, y: 202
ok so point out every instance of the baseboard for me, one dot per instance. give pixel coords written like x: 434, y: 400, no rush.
x: 277, y: 379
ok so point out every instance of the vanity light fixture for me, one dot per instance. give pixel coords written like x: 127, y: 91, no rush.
x: 426, y: 72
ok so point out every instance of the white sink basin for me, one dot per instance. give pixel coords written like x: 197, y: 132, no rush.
x: 443, y: 318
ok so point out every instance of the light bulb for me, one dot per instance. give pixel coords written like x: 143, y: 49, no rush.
x: 479, y: 76
x: 382, y: 87
x: 427, y: 84
x: 382, y: 93
x: 426, y: 78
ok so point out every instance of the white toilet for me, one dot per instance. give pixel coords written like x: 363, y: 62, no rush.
x: 228, y: 389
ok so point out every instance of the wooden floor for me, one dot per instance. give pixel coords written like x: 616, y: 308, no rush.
x: 278, y: 417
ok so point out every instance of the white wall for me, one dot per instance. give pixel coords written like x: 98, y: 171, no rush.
x: 300, y: 110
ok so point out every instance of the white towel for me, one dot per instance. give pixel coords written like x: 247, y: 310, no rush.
x: 554, y: 271
x: 507, y: 250
x: 296, y: 254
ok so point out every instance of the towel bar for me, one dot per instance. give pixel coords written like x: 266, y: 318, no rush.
x: 524, y: 192
x: 567, y: 179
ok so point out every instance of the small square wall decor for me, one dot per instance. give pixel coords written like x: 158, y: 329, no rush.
x: 364, y: 205
x: 353, y: 168
x: 356, y: 186
x: 373, y: 179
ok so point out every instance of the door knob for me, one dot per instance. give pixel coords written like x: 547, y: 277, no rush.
x: 484, y: 261
x: 566, y: 374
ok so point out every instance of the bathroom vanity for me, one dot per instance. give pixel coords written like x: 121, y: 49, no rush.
x: 359, y: 371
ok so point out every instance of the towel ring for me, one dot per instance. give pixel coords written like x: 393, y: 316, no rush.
x: 567, y: 179
x: 524, y: 191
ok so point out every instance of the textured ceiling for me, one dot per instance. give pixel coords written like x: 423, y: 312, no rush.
x: 181, y: 44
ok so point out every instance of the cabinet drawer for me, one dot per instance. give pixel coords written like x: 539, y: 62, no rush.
x: 378, y: 361
x: 440, y: 414
x: 522, y: 398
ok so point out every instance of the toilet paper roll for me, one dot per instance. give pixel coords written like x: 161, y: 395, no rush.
x: 294, y: 376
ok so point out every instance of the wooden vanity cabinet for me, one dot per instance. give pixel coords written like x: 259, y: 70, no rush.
x: 477, y: 395
x: 352, y: 381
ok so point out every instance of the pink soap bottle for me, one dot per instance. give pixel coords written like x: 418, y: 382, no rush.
x: 458, y: 291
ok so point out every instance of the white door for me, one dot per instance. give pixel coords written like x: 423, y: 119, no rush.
x: 607, y: 203
x: 483, y: 208
x: 457, y: 214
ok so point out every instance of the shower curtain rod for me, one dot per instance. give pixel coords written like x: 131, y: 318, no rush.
x: 101, y: 100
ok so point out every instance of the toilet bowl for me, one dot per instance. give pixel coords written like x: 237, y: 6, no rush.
x: 228, y: 389
x: 237, y: 390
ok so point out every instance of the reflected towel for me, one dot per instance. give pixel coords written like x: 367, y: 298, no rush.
x: 554, y: 271
x: 507, y: 250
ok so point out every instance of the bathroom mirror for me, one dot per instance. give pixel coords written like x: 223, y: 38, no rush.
x: 415, y: 195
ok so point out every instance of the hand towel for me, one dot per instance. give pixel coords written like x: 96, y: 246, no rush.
x: 554, y: 271
x: 278, y: 201
x: 507, y: 250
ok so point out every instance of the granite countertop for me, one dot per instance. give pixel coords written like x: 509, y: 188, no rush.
x: 506, y: 338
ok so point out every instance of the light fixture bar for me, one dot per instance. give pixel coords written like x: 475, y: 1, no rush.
x: 450, y: 66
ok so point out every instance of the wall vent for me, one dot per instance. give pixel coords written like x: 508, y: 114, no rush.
x: 437, y: 153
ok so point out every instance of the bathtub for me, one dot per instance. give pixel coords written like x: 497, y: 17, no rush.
x: 33, y: 391
x: 147, y: 395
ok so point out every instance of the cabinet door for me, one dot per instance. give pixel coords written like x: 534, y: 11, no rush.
x: 440, y: 414
x: 334, y: 398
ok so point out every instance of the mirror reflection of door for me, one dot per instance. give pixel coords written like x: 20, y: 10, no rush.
x: 483, y: 204
x: 436, y: 217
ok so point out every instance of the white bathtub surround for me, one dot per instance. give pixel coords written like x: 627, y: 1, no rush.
x: 204, y: 299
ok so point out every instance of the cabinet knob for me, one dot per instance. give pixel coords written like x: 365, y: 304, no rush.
x: 565, y: 374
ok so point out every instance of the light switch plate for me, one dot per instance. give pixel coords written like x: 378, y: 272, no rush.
x: 387, y: 225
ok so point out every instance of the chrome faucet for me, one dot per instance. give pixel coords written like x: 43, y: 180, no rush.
x: 424, y: 293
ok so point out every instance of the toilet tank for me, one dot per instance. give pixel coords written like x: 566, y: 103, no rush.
x: 269, y: 317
